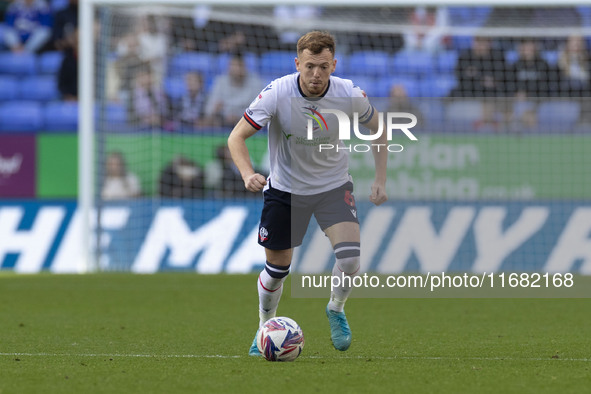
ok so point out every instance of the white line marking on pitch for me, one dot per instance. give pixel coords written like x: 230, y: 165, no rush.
x: 444, y: 358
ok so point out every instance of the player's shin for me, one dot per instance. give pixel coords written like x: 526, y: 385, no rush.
x: 345, y: 268
x: 270, y: 287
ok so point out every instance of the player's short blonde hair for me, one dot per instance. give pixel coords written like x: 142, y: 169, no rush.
x: 316, y: 41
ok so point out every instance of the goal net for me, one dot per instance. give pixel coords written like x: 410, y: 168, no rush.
x: 496, y: 181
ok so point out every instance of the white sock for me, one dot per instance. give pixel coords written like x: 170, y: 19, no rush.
x: 346, y: 265
x: 270, y: 287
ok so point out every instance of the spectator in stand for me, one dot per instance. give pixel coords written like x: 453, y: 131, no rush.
x: 426, y: 33
x: 289, y: 17
x: 232, y: 93
x: 531, y: 74
x: 182, y: 178
x: 480, y: 71
x: 67, y: 77
x: 223, y: 176
x: 148, y: 43
x: 492, y: 120
x: 399, y: 102
x: 149, y: 105
x: 524, y: 116
x: 28, y: 25
x: 190, y: 108
x: 66, y: 21
x: 119, y: 182
x: 574, y: 67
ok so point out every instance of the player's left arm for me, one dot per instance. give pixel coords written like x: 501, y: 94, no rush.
x: 380, y: 155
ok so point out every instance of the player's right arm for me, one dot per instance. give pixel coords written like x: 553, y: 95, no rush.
x: 253, y: 181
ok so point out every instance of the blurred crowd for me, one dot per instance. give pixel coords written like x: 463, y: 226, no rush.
x: 177, y: 73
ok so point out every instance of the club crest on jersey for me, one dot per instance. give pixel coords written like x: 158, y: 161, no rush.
x: 312, y: 113
x: 260, y: 96
x: 263, y: 234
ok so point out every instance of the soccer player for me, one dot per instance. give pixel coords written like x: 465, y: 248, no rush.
x: 305, y: 179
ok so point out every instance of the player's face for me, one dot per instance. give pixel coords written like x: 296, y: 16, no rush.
x: 315, y: 71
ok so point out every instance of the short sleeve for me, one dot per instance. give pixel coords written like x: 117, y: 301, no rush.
x: 361, y: 104
x: 262, y: 108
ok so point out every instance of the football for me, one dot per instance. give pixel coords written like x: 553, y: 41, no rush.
x: 280, y: 339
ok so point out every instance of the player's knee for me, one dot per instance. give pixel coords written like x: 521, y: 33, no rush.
x: 348, y: 257
x: 276, y: 271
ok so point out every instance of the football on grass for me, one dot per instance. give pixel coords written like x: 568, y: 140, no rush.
x: 280, y: 339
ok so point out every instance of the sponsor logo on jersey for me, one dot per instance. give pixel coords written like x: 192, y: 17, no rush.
x: 287, y: 136
x: 313, y: 114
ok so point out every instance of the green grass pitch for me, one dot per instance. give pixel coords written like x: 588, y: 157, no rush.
x: 188, y: 333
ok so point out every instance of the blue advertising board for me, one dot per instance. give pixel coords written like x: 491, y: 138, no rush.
x: 212, y: 236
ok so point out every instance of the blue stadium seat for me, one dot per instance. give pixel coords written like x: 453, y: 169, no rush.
x: 18, y: 63
x: 482, y: 13
x: 114, y: 118
x: 410, y: 84
x: 585, y: 12
x: 551, y: 57
x: 8, y: 87
x: 459, y: 15
x: 21, y: 116
x: 446, y: 61
x: 342, y: 62
x: 461, y: 115
x: 511, y: 56
x: 462, y: 42
x: 192, y: 61
x: 437, y: 85
x: 373, y: 63
x: 57, y: 5
x: 2, y: 46
x: 61, y: 116
x: 468, y: 16
x: 433, y: 112
x: 368, y: 84
x: 559, y: 116
x: 413, y: 62
x: 268, y: 78
x: 50, y: 62
x: 175, y: 87
x: 277, y: 63
x: 116, y: 113
x: 250, y: 60
x: 39, y: 88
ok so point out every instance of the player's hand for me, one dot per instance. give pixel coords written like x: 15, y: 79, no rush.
x: 255, y: 182
x: 378, y: 193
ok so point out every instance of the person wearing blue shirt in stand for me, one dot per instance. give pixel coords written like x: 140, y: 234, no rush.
x: 28, y: 25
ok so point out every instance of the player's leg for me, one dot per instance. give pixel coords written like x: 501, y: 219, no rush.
x: 337, y: 216
x: 270, y: 283
x: 345, y: 240
x: 270, y: 287
x: 278, y: 235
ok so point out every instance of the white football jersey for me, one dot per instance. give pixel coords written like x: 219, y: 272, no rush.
x: 297, y: 165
